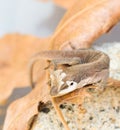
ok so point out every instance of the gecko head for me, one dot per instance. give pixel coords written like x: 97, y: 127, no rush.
x: 59, y: 86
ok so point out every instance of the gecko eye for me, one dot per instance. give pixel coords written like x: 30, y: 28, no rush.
x: 71, y: 83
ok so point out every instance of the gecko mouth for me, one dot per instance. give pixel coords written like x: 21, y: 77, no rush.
x: 69, y: 87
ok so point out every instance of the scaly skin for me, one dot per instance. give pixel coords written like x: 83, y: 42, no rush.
x: 84, y: 64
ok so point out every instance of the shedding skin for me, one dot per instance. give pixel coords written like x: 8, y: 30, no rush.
x: 84, y: 67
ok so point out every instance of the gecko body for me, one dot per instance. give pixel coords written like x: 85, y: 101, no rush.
x: 85, y: 66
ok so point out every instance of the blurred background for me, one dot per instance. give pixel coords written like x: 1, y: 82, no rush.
x: 39, y: 19
x: 29, y: 17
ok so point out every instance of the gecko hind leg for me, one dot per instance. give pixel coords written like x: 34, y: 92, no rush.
x: 31, y: 69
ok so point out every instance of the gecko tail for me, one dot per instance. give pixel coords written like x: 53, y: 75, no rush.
x: 34, y: 59
x: 31, y: 70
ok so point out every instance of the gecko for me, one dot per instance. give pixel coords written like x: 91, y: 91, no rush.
x: 85, y: 66
x: 80, y: 68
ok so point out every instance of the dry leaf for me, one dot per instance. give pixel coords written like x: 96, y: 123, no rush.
x: 15, y: 52
x: 85, y: 22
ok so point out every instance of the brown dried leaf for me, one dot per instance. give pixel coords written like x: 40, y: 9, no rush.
x: 15, y: 52
x: 85, y: 22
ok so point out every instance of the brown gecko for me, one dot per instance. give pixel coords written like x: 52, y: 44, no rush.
x: 86, y: 66
x: 80, y: 68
